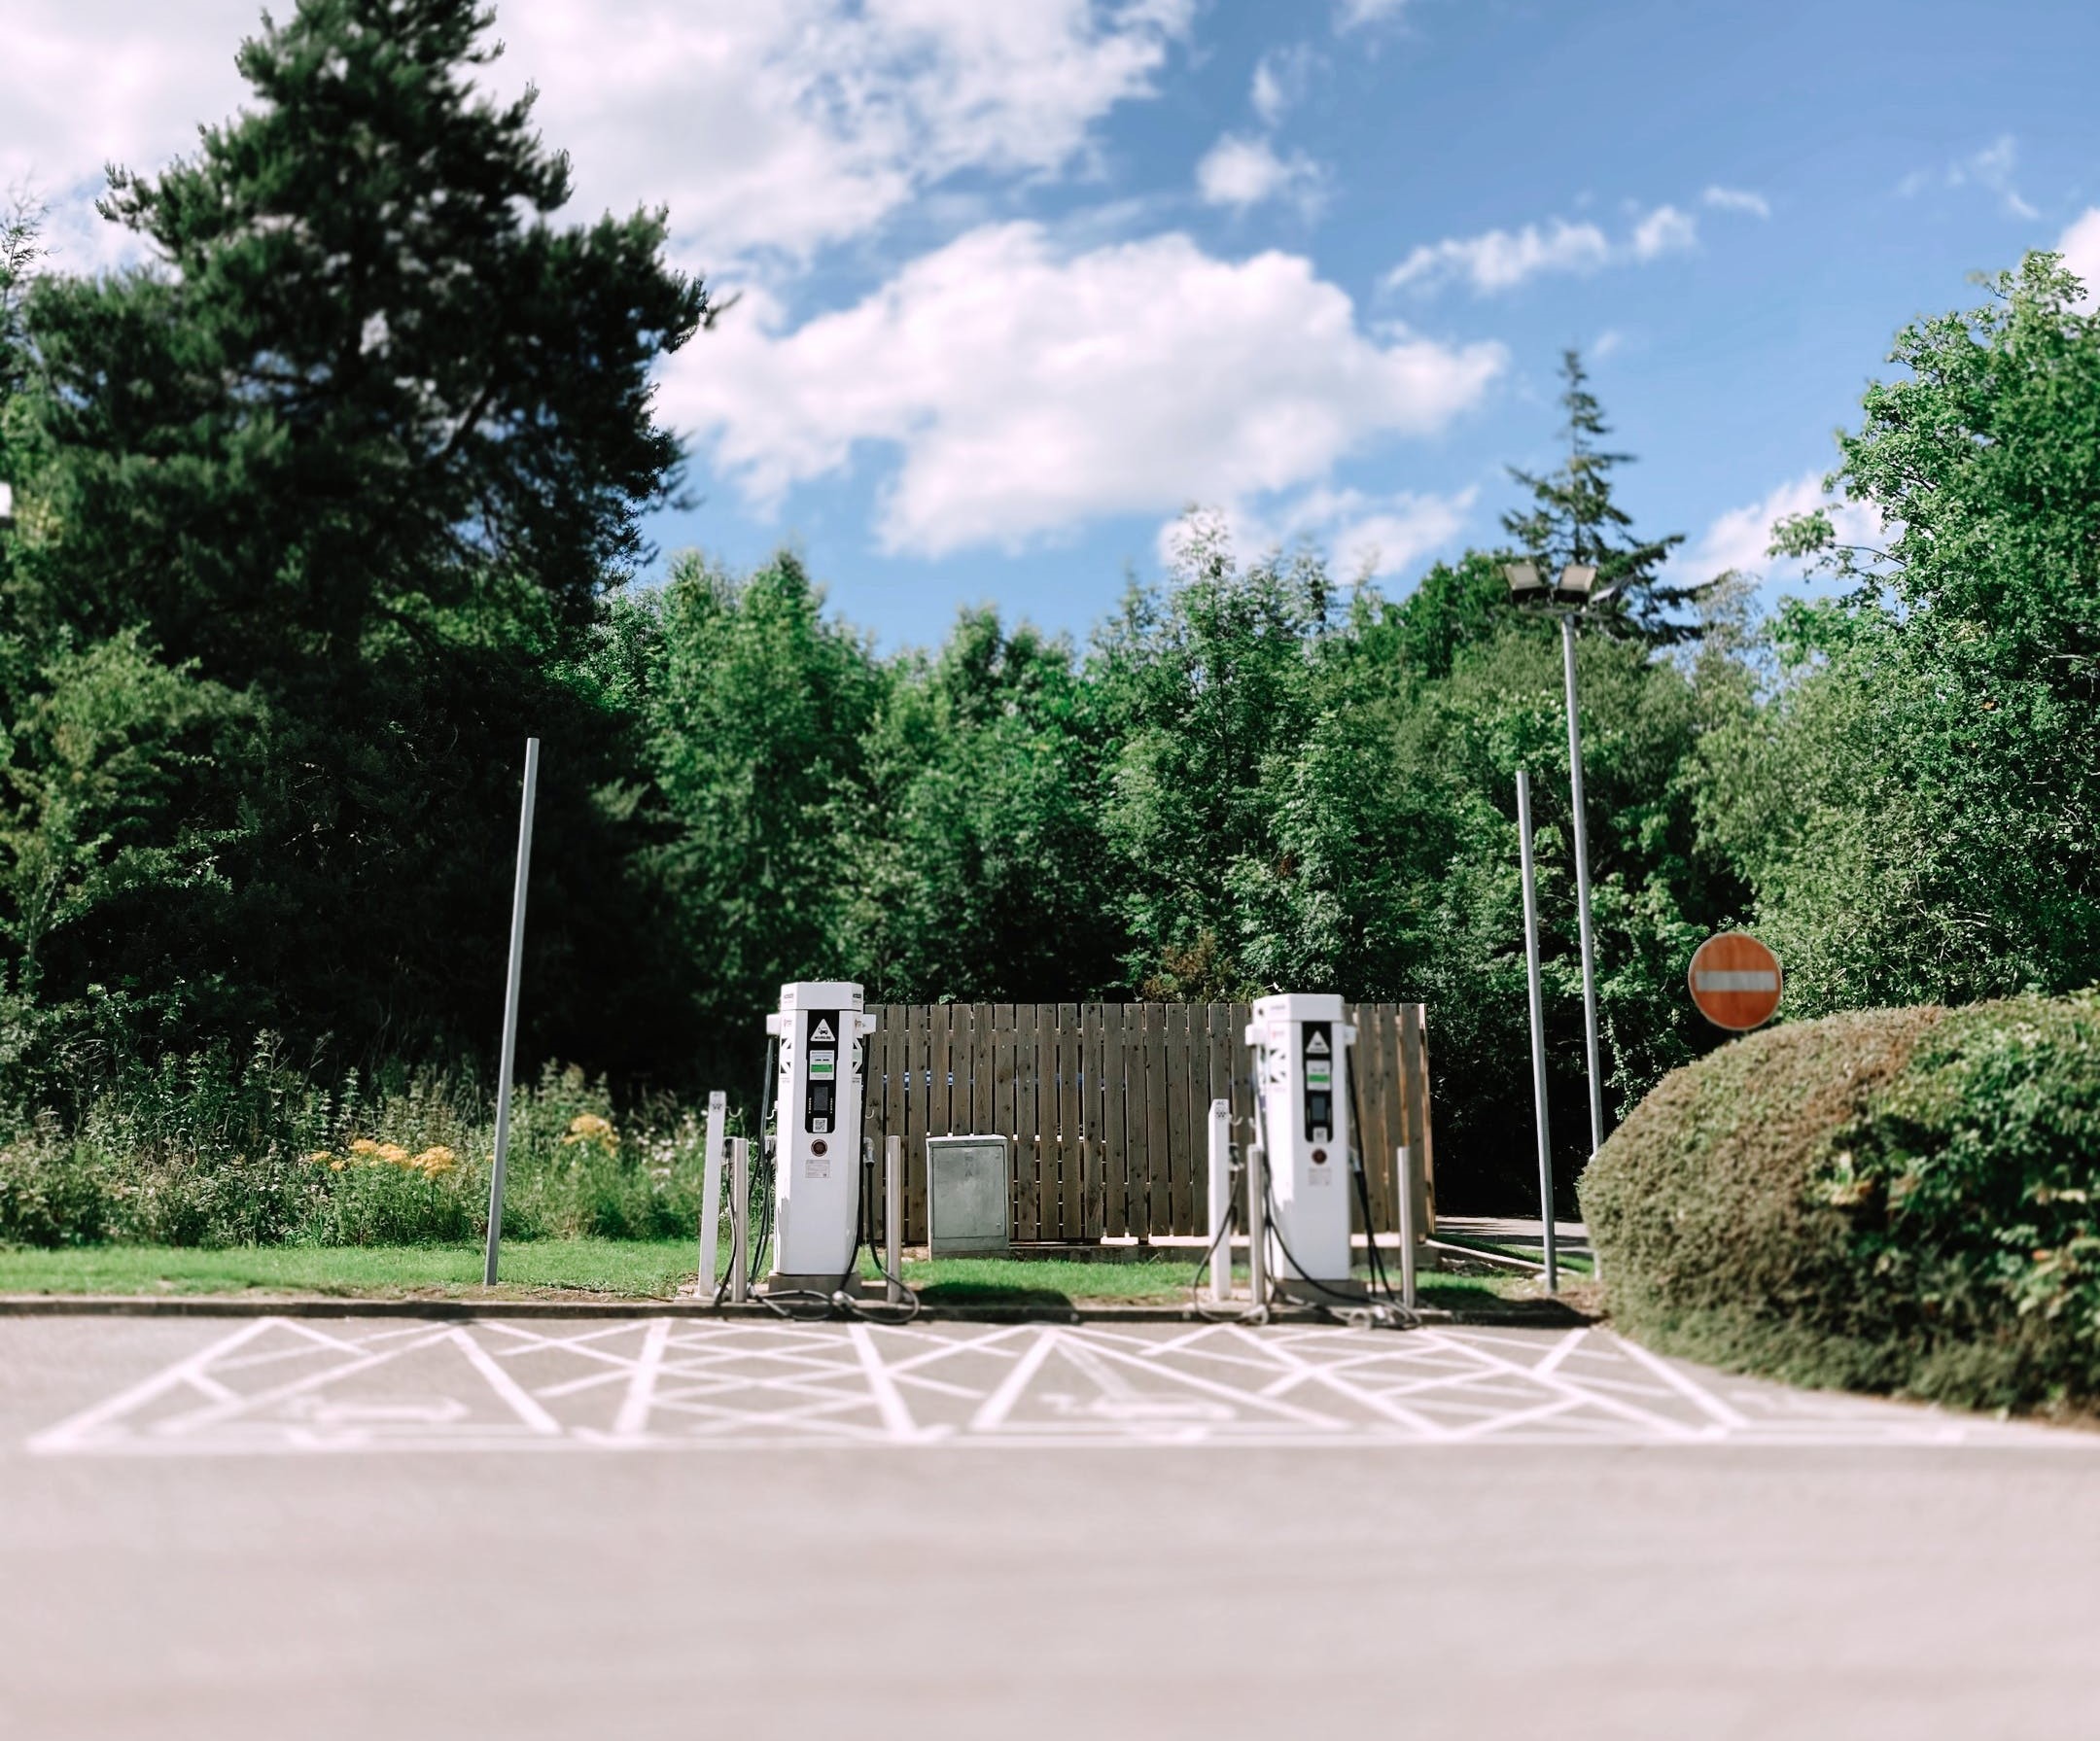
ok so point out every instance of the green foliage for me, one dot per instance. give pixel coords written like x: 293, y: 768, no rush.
x: 987, y: 873
x: 1918, y: 806
x: 1902, y: 1200
x: 1210, y: 683
x: 756, y: 714
x: 353, y: 460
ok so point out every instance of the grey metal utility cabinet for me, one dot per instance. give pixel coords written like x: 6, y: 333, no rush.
x: 968, y: 1213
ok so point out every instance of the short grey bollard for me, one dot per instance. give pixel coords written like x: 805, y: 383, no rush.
x: 894, y: 1219
x: 718, y: 1109
x: 1407, y: 1226
x: 1257, y: 1179
x: 740, y: 1220
x: 1220, y: 1198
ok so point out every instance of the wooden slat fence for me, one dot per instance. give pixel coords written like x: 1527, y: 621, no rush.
x: 1108, y: 1104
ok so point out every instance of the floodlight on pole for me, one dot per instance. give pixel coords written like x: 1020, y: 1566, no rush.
x: 1523, y: 580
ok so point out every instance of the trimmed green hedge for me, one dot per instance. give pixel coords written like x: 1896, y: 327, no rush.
x: 1899, y: 1199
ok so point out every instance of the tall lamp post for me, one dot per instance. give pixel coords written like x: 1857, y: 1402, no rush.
x: 1568, y: 597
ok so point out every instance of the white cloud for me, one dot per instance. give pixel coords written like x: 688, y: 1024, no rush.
x: 1663, y: 230
x: 1280, y: 82
x: 799, y: 122
x: 1990, y: 168
x: 1241, y: 172
x: 1737, y: 199
x: 84, y: 83
x: 1028, y: 390
x: 778, y: 127
x: 1739, y: 539
x: 2080, y: 245
x: 1501, y: 258
x: 1363, y: 535
x: 1355, y: 15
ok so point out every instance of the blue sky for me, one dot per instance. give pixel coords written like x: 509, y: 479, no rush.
x: 1023, y: 280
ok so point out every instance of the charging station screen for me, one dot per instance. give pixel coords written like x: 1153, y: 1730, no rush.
x: 1317, y: 1074
x: 820, y: 1047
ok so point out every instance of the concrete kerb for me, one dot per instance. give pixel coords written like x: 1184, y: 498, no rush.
x: 1543, y: 1314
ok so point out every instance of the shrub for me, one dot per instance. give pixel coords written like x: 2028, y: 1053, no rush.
x: 1899, y: 1199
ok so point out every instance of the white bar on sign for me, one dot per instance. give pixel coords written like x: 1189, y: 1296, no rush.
x: 1756, y: 979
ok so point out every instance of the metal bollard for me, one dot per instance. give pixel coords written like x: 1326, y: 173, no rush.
x: 1407, y: 1227
x: 717, y: 1106
x: 740, y: 1220
x: 894, y: 1218
x: 1220, y: 1198
x: 1257, y: 1180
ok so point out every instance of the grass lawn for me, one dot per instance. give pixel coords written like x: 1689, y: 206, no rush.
x: 615, y: 1269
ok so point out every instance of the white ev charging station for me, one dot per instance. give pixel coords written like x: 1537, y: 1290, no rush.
x: 817, y: 1148
x: 1300, y: 1073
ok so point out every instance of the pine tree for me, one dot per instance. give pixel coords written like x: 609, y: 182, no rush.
x: 1573, y: 519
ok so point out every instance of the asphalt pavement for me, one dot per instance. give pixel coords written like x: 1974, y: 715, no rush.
x: 321, y: 1529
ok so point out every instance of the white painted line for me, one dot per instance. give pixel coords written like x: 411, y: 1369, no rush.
x: 714, y: 1386
x: 79, y: 1427
x: 227, y: 1408
x: 1699, y: 1395
x: 993, y: 1412
x: 503, y: 1385
x: 1657, y: 1423
x: 632, y: 1420
x: 1560, y: 1351
x: 897, y: 1414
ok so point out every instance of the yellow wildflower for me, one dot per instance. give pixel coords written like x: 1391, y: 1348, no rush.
x: 588, y: 1127
x: 434, y: 1161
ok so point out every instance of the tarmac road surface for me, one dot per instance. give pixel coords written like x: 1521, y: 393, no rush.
x: 386, y: 1528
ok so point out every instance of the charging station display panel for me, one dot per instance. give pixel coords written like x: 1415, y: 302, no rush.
x: 821, y: 1046
x: 1316, y: 1074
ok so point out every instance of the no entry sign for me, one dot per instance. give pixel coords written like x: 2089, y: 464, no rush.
x: 1735, y: 981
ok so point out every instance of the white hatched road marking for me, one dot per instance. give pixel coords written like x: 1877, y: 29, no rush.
x: 281, y: 1385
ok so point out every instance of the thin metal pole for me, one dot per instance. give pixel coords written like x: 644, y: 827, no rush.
x: 894, y: 1218
x: 1582, y: 893
x: 1406, y: 1159
x: 510, y: 1016
x: 739, y: 1220
x: 1220, y: 1198
x: 717, y: 1107
x: 1538, y: 1025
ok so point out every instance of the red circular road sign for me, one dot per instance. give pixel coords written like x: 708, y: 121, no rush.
x: 1735, y: 981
